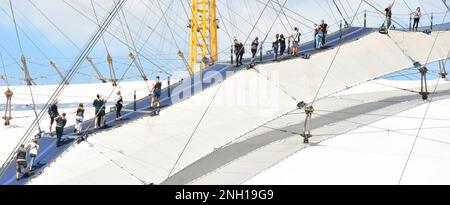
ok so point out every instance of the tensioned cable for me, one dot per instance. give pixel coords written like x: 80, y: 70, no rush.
x: 4, y: 70
x: 428, y: 106
x: 339, y: 10
x: 209, y: 105
x: 120, y: 40
x: 68, y: 77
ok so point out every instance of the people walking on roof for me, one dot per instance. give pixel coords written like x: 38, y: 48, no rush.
x: 239, y: 51
x: 61, y: 122
x: 319, y: 38
x: 275, y: 47
x: 282, y: 46
x: 316, y: 31
x: 324, y: 29
x: 79, y: 118
x: 417, y: 16
x: 99, y: 104
x: 156, y: 90
x: 34, y: 149
x: 53, y: 113
x: 21, y: 162
x: 119, y: 105
x: 295, y: 38
x: 388, y: 11
x: 254, y: 48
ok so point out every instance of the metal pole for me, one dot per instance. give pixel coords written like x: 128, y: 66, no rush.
x: 168, y: 87
x: 432, y: 17
x: 410, y: 19
x: 134, y: 102
x: 232, y: 55
x: 261, y: 53
x: 340, y: 29
x: 365, y: 18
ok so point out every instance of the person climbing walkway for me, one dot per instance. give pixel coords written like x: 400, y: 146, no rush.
x: 98, y: 104
x: 324, y: 30
x: 282, y: 46
x: 239, y: 51
x: 319, y: 38
x: 34, y: 149
x: 156, y: 90
x: 388, y: 11
x: 60, y: 124
x: 119, y: 105
x: 275, y: 47
x: 295, y: 37
x: 21, y: 162
x: 417, y: 15
x: 79, y: 118
x: 53, y: 113
x: 255, y: 45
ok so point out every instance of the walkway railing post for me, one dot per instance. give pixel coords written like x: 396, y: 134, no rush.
x: 168, y: 87
x: 431, y: 25
x: 134, y: 102
x: 410, y: 22
x: 340, y: 29
x: 261, y: 53
x: 365, y: 18
x: 232, y: 59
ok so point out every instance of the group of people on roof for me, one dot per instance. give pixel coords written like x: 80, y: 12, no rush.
x: 282, y: 44
x: 27, y: 153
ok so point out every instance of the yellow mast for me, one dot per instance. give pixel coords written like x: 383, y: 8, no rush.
x: 203, y: 38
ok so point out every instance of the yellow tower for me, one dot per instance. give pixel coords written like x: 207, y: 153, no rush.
x: 203, y: 39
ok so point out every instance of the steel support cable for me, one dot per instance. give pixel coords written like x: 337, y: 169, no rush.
x: 428, y: 106
x: 131, y: 48
x: 273, y: 24
x: 286, y: 17
x: 30, y: 39
x: 282, y: 23
x: 173, y: 36
x: 331, y: 11
x: 114, y: 36
x: 40, y: 32
x: 4, y: 71
x: 339, y: 10
x: 209, y: 105
x: 325, y: 11
x: 343, y: 8
x: 117, y: 38
x: 235, y: 26
x: 356, y: 13
x: 54, y: 25
x: 93, y: 41
x: 294, y: 12
x: 24, y: 66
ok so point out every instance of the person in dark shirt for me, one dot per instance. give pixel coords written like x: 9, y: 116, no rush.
x: 156, y: 90
x: 60, y: 124
x: 388, y: 11
x: 276, y: 46
x: 21, y: 161
x: 99, y: 105
x: 53, y: 113
x: 255, y: 45
x: 79, y: 118
x: 324, y: 29
x: 239, y: 51
x: 282, y: 45
x: 119, y: 105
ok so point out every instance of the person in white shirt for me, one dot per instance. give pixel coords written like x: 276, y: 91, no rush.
x: 417, y: 15
x: 295, y: 38
x: 34, y: 149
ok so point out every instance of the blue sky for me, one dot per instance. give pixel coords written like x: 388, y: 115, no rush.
x: 41, y: 41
